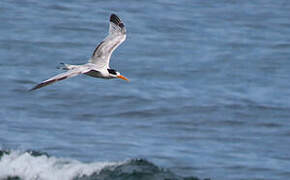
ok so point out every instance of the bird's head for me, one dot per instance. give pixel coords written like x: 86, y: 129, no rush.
x: 115, y: 74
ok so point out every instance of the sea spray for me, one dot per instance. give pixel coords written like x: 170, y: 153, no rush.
x: 34, y: 166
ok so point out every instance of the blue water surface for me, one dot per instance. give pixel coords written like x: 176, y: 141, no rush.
x: 208, y: 93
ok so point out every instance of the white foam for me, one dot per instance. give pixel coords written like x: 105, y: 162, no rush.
x: 29, y: 167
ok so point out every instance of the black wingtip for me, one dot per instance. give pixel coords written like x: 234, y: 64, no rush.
x: 121, y: 25
x: 45, y: 83
x: 116, y: 20
x: 34, y: 88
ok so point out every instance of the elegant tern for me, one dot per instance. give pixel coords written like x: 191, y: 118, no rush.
x: 98, y: 65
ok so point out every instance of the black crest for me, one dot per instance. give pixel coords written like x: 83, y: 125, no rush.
x: 112, y: 71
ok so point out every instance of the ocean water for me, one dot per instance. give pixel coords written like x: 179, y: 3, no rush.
x: 208, y: 95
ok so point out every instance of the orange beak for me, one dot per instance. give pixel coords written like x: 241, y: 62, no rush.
x: 122, y: 77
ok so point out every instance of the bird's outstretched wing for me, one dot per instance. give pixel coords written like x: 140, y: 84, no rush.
x: 62, y: 76
x: 117, y: 34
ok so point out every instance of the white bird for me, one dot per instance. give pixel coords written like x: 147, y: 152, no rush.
x: 98, y: 65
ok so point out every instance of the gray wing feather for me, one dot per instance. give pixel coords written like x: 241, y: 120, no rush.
x: 117, y: 35
x: 59, y: 77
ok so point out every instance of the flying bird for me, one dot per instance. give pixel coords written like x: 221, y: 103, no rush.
x: 98, y: 65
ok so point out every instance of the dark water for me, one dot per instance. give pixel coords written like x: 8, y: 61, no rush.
x: 209, y: 92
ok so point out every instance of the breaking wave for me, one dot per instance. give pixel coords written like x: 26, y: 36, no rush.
x: 34, y: 165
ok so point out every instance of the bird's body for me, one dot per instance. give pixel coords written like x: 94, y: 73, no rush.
x: 98, y: 65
